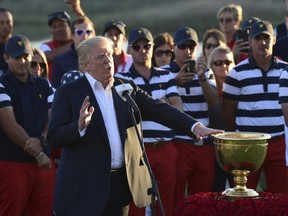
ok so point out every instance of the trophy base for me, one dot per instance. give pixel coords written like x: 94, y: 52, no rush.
x: 231, y: 192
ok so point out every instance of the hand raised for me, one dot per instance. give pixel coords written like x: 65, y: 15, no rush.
x: 85, y: 114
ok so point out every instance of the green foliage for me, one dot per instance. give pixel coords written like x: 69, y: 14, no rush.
x: 156, y: 15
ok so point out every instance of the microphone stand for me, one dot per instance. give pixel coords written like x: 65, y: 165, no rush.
x: 154, y: 190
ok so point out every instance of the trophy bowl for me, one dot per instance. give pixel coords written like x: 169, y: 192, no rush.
x: 240, y: 153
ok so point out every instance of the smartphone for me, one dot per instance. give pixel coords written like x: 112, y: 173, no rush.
x: 191, y: 66
x: 244, y: 35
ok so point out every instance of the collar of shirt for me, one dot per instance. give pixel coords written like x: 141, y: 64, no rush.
x: 92, y: 81
x: 105, y: 101
x: 16, y: 81
x: 274, y: 63
x: 134, y: 73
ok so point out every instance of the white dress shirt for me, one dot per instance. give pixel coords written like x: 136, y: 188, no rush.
x: 105, y: 101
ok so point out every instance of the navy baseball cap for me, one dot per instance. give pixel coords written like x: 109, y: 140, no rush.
x: 249, y: 22
x: 115, y: 23
x: 185, y: 34
x: 60, y: 15
x: 139, y: 33
x: 18, y: 45
x: 261, y: 27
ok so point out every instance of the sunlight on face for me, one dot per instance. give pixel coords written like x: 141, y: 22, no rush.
x: 222, y: 68
x: 100, y: 63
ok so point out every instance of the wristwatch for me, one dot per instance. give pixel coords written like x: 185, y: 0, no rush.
x: 43, y: 141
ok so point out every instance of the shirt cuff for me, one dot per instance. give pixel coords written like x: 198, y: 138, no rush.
x: 194, y: 125
x: 82, y: 133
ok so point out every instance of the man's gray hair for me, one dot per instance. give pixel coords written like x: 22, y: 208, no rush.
x: 85, y: 47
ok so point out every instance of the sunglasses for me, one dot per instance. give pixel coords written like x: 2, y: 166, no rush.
x: 227, y: 20
x: 160, y: 53
x: 79, y: 32
x: 138, y: 47
x: 209, y: 46
x: 41, y: 64
x: 185, y: 46
x: 221, y: 62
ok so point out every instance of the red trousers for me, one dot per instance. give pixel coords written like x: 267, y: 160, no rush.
x: 26, y: 189
x: 195, y: 169
x: 274, y: 167
x: 163, y: 162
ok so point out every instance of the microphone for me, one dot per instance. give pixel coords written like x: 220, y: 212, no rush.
x: 124, y: 90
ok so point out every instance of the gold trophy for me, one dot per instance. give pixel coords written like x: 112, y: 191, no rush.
x: 240, y: 153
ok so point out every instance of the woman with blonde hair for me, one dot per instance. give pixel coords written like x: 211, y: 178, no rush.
x: 230, y: 18
x: 39, y: 66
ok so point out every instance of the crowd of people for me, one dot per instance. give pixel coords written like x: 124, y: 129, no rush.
x: 70, y: 141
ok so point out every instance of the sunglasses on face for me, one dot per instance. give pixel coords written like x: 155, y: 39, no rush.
x: 221, y: 62
x: 209, y: 46
x: 227, y: 20
x: 41, y: 64
x: 79, y: 32
x: 138, y: 47
x: 185, y: 46
x: 160, y: 53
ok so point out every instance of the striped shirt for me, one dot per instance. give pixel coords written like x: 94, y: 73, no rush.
x: 258, y: 107
x: 161, y: 84
x: 194, y: 102
x: 283, y: 90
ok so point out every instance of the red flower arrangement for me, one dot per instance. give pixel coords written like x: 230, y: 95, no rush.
x: 216, y: 204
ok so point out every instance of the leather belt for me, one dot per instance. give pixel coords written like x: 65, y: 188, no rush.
x: 157, y: 144
x: 117, y: 172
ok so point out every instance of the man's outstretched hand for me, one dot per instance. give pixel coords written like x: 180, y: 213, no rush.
x: 200, y: 131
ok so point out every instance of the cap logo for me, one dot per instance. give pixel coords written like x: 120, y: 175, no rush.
x: 140, y: 31
x: 20, y: 43
x: 250, y: 21
x: 188, y: 32
x: 261, y: 25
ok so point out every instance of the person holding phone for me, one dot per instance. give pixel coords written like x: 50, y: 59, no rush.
x: 230, y: 18
x: 195, y: 159
x: 243, y: 35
